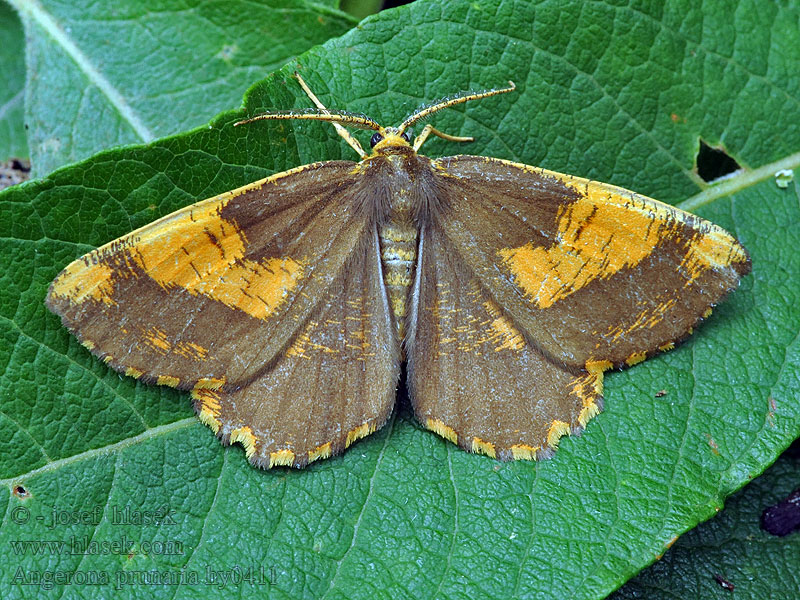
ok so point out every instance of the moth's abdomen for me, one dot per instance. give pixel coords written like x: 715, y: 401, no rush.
x: 399, y: 255
x: 401, y: 174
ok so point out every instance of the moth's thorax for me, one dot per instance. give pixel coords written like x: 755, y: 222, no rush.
x: 398, y: 231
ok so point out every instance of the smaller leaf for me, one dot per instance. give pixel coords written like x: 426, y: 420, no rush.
x: 12, y: 92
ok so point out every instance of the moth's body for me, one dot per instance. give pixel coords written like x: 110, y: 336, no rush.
x: 398, y: 230
x: 286, y: 305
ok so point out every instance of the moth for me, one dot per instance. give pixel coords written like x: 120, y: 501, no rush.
x: 287, y: 306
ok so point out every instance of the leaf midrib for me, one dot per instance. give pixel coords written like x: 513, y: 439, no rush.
x: 149, y: 434
x: 36, y: 13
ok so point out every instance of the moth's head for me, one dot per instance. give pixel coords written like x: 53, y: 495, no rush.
x: 390, y: 140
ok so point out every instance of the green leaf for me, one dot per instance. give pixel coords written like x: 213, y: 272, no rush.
x: 102, y: 74
x: 733, y: 546
x: 12, y: 92
x: 611, y: 92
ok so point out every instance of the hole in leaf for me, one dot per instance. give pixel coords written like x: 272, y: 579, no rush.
x: 394, y: 3
x: 713, y: 163
x: 21, y: 492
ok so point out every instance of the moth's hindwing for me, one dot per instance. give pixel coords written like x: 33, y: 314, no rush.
x: 474, y: 377
x: 334, y: 384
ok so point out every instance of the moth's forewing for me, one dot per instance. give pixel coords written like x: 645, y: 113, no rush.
x: 588, y: 271
x: 266, y: 300
x: 474, y: 378
x: 333, y: 385
x: 217, y: 289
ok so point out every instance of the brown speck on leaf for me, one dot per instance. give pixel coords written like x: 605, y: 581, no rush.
x: 714, y: 446
x: 723, y: 583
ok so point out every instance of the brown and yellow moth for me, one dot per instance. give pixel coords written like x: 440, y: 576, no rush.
x: 287, y: 306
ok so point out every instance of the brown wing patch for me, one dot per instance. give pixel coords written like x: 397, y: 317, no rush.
x: 474, y: 378
x: 334, y: 385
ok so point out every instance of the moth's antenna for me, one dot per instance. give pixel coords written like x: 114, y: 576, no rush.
x: 321, y: 114
x: 312, y: 114
x: 339, y: 129
x: 460, y: 98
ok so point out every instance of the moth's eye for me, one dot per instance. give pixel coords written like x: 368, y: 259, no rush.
x: 377, y: 137
x: 406, y: 135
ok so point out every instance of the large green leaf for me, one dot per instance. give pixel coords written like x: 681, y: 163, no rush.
x: 12, y: 91
x: 617, y: 93
x: 733, y: 546
x: 101, y: 74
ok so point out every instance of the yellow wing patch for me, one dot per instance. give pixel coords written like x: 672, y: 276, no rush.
x: 635, y: 358
x: 649, y: 317
x: 282, y: 458
x: 524, y: 452
x: 557, y: 430
x: 443, y: 430
x: 480, y: 446
x: 321, y: 452
x: 196, y: 250
x: 83, y: 280
x: 506, y: 336
x: 589, y: 387
x: 605, y: 231
x: 359, y: 432
x: 714, y: 250
x: 304, y: 346
x: 204, y: 254
x: 244, y: 435
x: 168, y: 380
x: 207, y: 404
